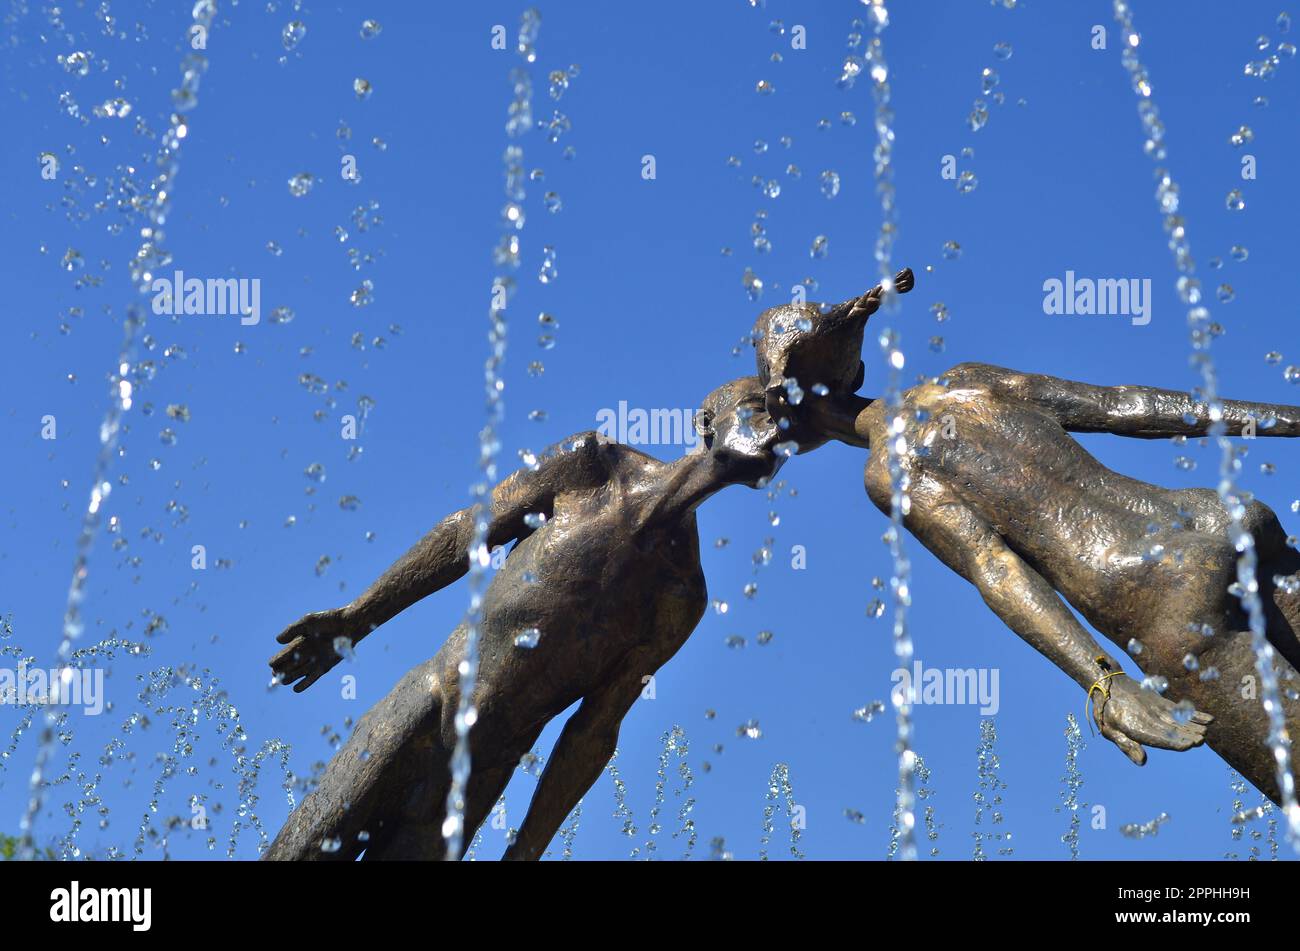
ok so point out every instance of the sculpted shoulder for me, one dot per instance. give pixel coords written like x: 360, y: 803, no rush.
x: 975, y: 373
x: 594, y: 456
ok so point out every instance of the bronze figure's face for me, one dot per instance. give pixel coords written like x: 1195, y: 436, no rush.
x: 735, y: 428
x: 799, y: 347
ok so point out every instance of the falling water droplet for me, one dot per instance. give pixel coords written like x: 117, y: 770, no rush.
x: 301, y: 184
x: 292, y: 34
x: 363, y: 295
x: 558, y: 83
x: 548, y: 273
x: 1155, y: 683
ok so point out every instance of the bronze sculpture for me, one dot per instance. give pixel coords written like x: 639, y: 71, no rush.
x: 1003, y: 495
x: 604, y: 580
x: 609, y: 585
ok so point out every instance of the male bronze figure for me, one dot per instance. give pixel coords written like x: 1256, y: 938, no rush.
x: 610, y: 585
x: 1003, y: 495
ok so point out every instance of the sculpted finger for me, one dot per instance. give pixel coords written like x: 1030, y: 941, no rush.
x: 1174, y: 738
x: 297, y: 665
x: 295, y: 630
x: 1168, y: 733
x: 309, y: 679
x: 282, y: 656
x: 868, y: 303
x: 1191, y: 734
x: 1130, y: 747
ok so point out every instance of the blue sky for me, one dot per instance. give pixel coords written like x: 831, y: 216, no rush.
x: 649, y: 310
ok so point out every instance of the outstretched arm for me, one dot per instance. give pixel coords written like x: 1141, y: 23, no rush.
x: 435, y: 561
x: 1127, y: 715
x: 1143, y: 412
x: 586, y: 744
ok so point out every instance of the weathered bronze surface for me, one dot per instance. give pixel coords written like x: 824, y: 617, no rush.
x: 999, y: 492
x: 612, y: 581
x: 1004, y: 496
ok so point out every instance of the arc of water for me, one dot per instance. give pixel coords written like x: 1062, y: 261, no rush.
x: 988, y: 797
x: 925, y: 793
x: 1198, y: 318
x: 1072, y: 781
x: 520, y: 121
x: 569, y: 832
x: 149, y: 255
x: 896, y: 444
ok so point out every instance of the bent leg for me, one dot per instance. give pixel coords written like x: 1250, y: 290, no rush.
x: 369, y: 781
x: 410, y: 828
x: 587, y: 743
x: 1240, y: 731
x: 415, y: 834
x: 1196, y: 594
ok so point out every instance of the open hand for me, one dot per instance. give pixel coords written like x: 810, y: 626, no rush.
x: 310, y: 652
x: 1131, y: 717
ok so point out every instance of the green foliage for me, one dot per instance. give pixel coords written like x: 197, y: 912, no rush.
x: 9, y: 849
